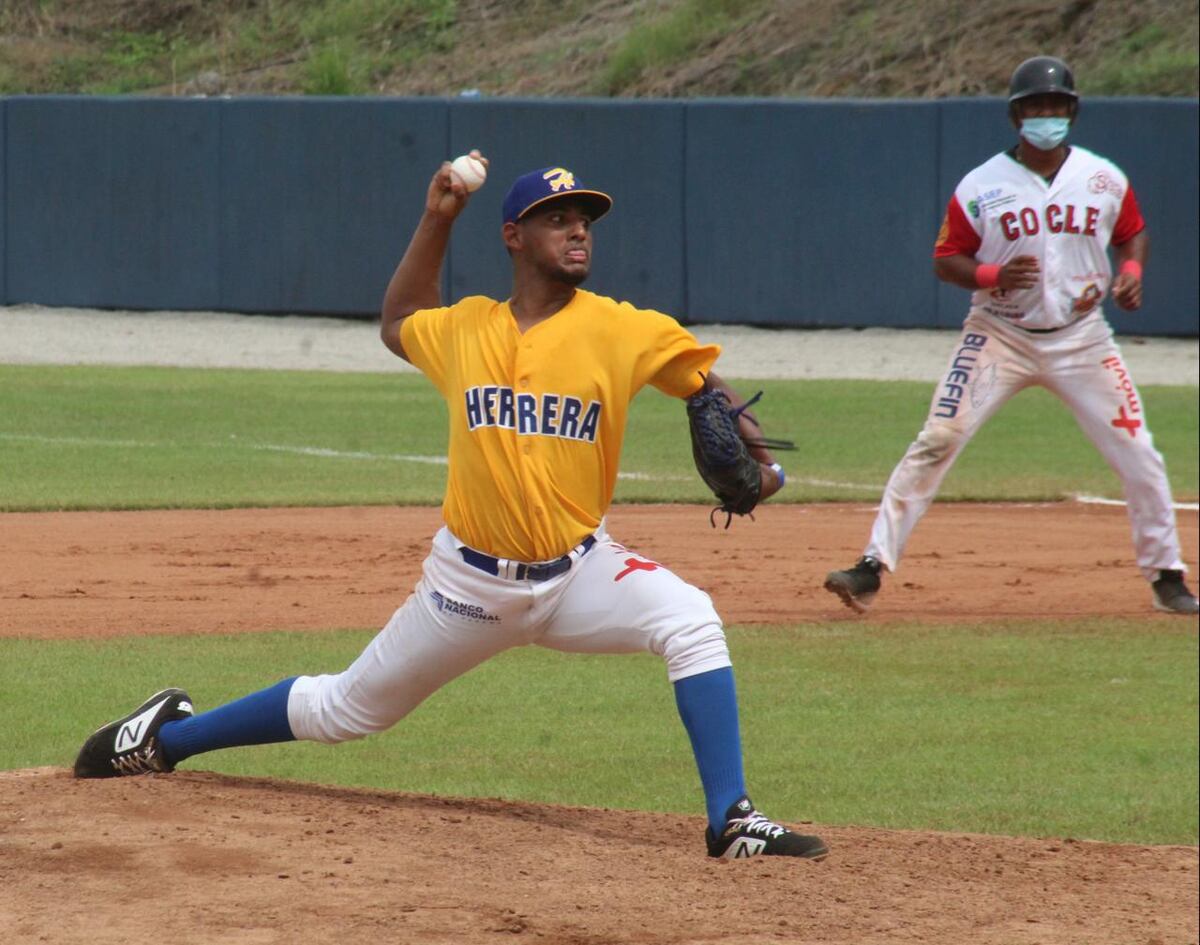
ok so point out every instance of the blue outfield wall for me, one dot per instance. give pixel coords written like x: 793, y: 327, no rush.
x: 112, y: 202
x: 3, y: 205
x: 776, y: 212
x: 634, y: 154
x: 814, y: 214
x: 318, y: 198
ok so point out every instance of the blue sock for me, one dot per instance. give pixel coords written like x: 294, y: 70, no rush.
x: 708, y: 706
x: 256, y: 719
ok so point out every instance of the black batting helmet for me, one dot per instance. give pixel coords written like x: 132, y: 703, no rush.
x: 1040, y: 75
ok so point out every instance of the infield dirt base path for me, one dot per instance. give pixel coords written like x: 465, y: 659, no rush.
x: 194, y: 857
x: 85, y: 574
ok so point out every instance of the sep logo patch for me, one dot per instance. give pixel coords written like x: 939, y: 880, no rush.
x: 987, y: 200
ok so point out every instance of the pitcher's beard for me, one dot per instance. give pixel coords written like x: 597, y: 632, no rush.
x: 571, y: 277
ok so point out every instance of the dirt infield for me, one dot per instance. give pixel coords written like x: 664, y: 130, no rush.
x: 83, y: 574
x: 199, y: 858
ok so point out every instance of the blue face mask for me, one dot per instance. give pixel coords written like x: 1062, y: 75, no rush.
x: 1045, y: 134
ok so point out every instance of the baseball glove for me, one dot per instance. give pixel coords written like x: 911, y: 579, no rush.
x: 722, y: 455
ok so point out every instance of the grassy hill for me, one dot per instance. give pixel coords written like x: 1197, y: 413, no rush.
x: 665, y: 48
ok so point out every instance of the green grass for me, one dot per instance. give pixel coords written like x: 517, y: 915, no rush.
x: 334, y: 70
x: 1081, y: 728
x: 352, y: 41
x: 1086, y: 730
x: 332, y: 47
x: 100, y: 437
x: 670, y: 38
x: 365, y: 46
x: 1152, y: 61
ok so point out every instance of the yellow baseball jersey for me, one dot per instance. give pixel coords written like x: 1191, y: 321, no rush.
x: 537, y: 419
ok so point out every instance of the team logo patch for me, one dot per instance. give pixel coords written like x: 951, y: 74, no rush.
x: 448, y: 605
x: 944, y: 232
x: 559, y: 178
x: 1087, y: 300
x: 1101, y: 182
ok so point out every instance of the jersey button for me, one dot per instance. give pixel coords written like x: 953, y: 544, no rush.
x: 524, y: 382
x: 526, y: 448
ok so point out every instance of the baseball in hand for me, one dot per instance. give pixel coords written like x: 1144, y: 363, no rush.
x: 471, y: 171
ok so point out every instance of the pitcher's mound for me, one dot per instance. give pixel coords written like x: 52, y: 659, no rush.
x: 193, y: 857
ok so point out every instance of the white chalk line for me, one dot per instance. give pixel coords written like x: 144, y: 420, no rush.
x: 443, y: 461
x: 348, y: 454
x: 385, y: 457
x: 1099, y: 500
x: 281, y: 448
x: 432, y: 460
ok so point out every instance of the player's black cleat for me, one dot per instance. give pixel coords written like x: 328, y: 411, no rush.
x: 748, y: 833
x: 856, y: 586
x: 130, y: 744
x: 1172, y: 596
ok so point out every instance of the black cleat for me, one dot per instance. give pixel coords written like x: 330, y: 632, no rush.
x: 130, y: 744
x: 856, y: 586
x: 1172, y: 596
x: 748, y: 833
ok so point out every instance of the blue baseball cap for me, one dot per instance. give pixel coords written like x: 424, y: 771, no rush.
x: 550, y: 183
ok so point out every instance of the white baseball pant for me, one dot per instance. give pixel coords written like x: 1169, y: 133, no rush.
x: 612, y: 600
x: 1082, y: 365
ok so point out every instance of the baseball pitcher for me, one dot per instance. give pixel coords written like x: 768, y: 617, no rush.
x: 538, y: 387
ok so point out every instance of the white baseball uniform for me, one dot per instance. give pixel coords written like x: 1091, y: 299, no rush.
x: 1053, y: 335
x: 537, y: 420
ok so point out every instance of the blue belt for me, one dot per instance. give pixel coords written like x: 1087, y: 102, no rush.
x: 500, y: 567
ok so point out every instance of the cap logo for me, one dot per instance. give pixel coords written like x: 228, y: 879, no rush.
x: 548, y: 183
x: 559, y: 178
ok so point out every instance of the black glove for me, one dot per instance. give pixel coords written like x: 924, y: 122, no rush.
x: 721, y: 455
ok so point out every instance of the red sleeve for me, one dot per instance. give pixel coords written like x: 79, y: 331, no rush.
x: 956, y: 237
x: 1130, y: 223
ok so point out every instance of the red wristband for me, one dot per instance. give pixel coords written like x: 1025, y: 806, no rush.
x: 987, y: 275
x: 1133, y: 267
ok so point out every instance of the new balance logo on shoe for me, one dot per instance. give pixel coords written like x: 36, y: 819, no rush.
x: 744, y: 847
x: 748, y: 833
x: 131, y: 733
x: 130, y: 745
